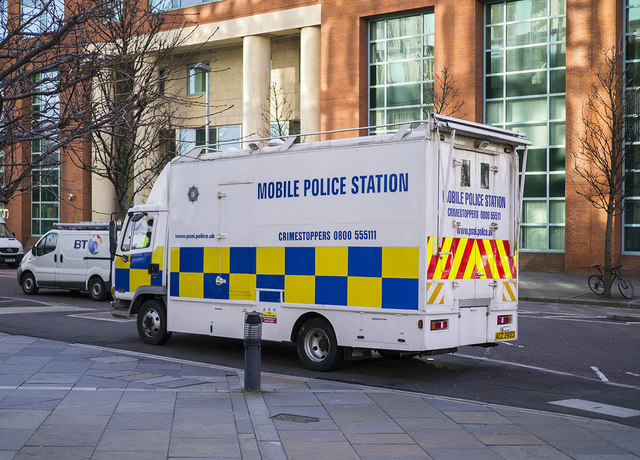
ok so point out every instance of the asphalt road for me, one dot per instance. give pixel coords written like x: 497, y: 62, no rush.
x: 563, y: 352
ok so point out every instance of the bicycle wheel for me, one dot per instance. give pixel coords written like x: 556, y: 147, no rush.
x: 596, y: 284
x: 626, y: 288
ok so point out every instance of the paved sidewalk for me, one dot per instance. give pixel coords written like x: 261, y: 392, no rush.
x: 570, y: 288
x: 64, y: 401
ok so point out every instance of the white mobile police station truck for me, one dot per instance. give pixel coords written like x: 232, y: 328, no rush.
x: 402, y: 243
x: 11, y: 251
x: 71, y: 256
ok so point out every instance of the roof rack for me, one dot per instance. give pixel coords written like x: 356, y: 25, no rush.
x: 82, y: 226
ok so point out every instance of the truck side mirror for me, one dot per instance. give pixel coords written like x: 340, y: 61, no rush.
x: 113, y: 237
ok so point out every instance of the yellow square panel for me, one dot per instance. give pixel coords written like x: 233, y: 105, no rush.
x: 158, y: 256
x: 400, y: 262
x: 121, y: 263
x: 192, y: 285
x: 332, y: 261
x: 175, y: 260
x: 364, y: 292
x: 242, y: 286
x: 138, y: 277
x: 270, y: 261
x: 216, y: 260
x: 300, y: 289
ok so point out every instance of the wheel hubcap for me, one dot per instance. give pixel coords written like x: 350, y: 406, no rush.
x: 151, y: 323
x: 316, y: 345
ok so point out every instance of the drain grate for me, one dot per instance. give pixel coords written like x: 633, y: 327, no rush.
x: 295, y: 418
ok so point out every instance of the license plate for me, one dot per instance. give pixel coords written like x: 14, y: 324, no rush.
x: 505, y: 335
x: 9, y: 260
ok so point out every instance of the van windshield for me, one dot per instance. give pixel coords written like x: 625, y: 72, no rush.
x: 4, y: 231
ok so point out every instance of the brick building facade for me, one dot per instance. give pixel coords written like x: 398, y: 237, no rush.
x: 523, y: 64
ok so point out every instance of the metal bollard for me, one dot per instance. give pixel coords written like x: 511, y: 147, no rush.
x: 252, y: 350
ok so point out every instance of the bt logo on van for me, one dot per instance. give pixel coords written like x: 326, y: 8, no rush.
x: 93, y: 244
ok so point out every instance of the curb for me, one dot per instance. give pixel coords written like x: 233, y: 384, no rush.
x: 597, y: 303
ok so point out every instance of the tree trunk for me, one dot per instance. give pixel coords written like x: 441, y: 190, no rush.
x: 607, y: 251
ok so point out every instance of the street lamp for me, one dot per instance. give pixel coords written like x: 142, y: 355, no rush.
x: 207, y: 69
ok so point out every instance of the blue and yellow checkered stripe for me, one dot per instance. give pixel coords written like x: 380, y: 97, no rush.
x: 133, y: 273
x: 380, y: 277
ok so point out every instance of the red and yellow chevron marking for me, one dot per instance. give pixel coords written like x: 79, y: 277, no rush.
x: 509, y: 291
x: 435, y: 294
x: 469, y: 258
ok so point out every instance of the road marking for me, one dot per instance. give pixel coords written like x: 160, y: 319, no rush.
x: 591, y: 406
x: 47, y: 309
x: 102, y: 316
x: 511, y: 344
x: 631, y: 373
x: 600, y: 374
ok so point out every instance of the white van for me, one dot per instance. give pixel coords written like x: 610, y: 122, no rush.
x: 10, y: 248
x: 71, y: 256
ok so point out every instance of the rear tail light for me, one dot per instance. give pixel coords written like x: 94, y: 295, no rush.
x: 439, y: 324
x: 504, y: 319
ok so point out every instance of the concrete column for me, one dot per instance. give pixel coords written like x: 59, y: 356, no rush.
x: 256, y: 72
x: 103, y: 198
x: 310, y: 81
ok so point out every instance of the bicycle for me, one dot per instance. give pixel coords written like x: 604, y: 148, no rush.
x: 596, y: 282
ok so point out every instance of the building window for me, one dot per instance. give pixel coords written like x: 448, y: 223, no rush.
x: 284, y: 128
x: 197, y: 81
x: 400, y: 69
x: 157, y: 6
x: 226, y: 137
x: 631, y: 207
x: 525, y: 43
x: 41, y: 16
x: 45, y: 176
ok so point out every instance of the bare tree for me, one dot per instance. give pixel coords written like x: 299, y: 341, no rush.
x: 44, y: 75
x: 142, y: 62
x: 600, y: 155
x: 445, y: 96
x: 277, y: 113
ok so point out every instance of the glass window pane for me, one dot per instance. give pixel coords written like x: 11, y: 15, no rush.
x: 377, y: 30
x: 376, y: 97
x: 558, y: 32
x: 428, y: 69
x: 632, y: 239
x: 527, y: 84
x: 556, y: 185
x: 496, y: 13
x: 632, y: 212
x: 407, y: 48
x: 404, y: 72
x: 377, y: 53
x: 535, y: 186
x: 537, y: 134
x: 557, y: 7
x: 429, y: 23
x: 536, y: 160
x: 557, y: 108
x: 535, y: 212
x: 556, y: 237
x: 556, y: 159
x: 403, y: 95
x: 494, y: 112
x: 556, y: 211
x: 527, y: 33
x: 376, y: 74
x: 534, y: 237
x: 557, y: 55
x: 527, y: 109
x: 633, y: 47
x: 495, y: 61
x: 633, y: 20
x: 526, y: 58
x: 465, y: 173
x: 632, y: 184
x: 556, y: 133
x: 402, y: 115
x: 402, y: 27
x: 484, y: 175
x: 494, y: 87
x: 557, y: 82
x: 495, y: 36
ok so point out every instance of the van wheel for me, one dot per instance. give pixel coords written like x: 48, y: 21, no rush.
x: 28, y: 283
x: 152, y: 323
x: 97, y: 291
x: 317, y: 345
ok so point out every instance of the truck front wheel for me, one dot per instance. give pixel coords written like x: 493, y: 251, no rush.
x: 152, y: 323
x: 317, y: 345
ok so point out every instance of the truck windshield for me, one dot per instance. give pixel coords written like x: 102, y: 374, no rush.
x: 137, y: 235
x: 4, y: 231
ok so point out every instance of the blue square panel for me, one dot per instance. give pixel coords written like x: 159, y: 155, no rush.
x: 365, y: 262
x: 331, y: 290
x: 191, y: 260
x: 300, y: 261
x: 174, y: 286
x: 141, y: 260
x: 242, y: 260
x: 400, y: 293
x: 156, y: 279
x: 212, y: 290
x: 122, y: 279
x: 269, y: 282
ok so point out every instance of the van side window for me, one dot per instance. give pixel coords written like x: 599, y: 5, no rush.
x: 138, y: 234
x: 47, y: 244
x: 484, y: 175
x: 465, y: 174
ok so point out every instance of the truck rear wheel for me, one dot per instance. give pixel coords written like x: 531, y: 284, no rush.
x: 97, y: 291
x: 317, y: 345
x: 152, y: 323
x: 28, y: 284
